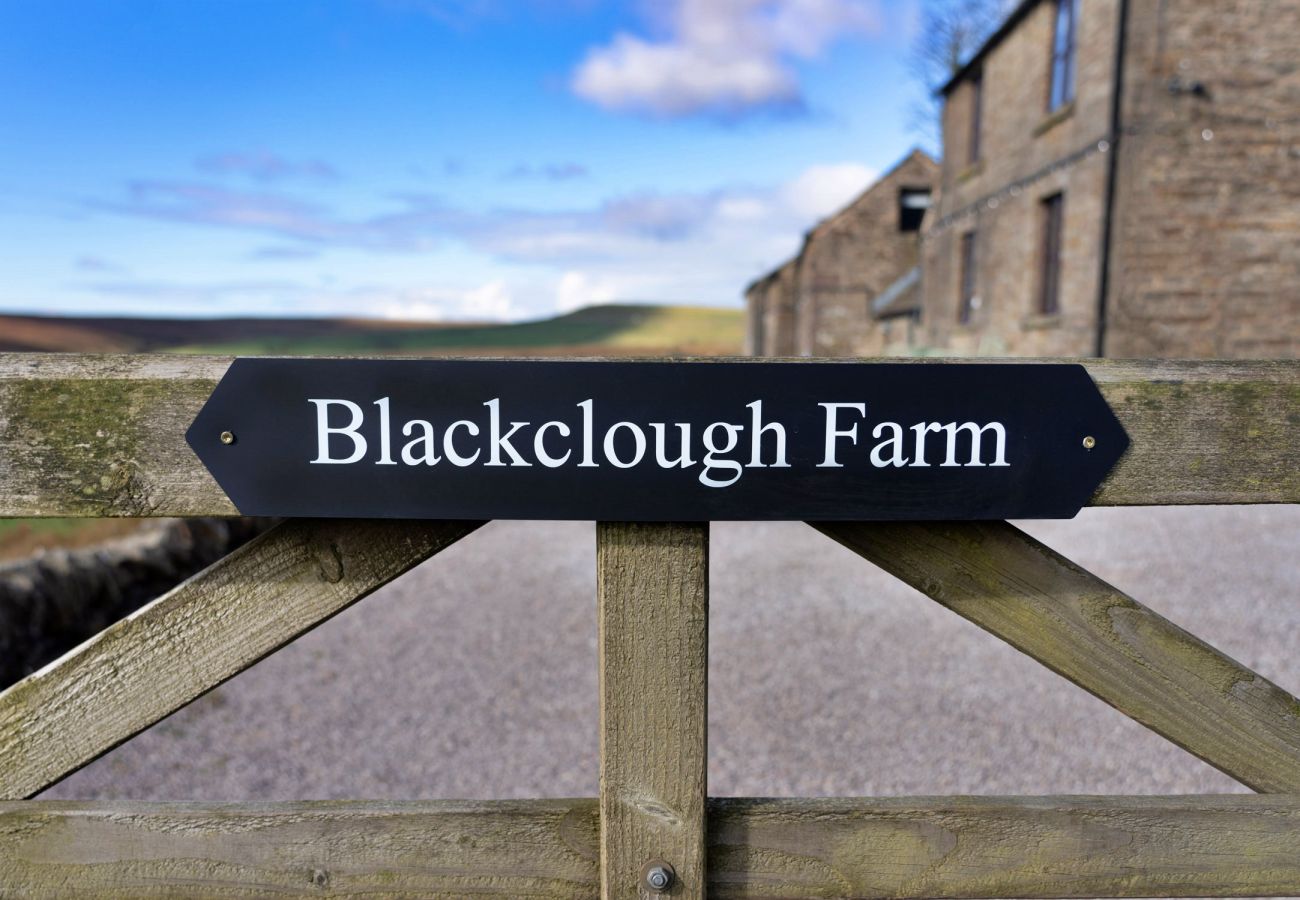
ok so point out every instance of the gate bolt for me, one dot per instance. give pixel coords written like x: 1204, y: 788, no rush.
x: 658, y: 876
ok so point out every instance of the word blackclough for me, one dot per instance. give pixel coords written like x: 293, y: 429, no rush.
x: 723, y: 450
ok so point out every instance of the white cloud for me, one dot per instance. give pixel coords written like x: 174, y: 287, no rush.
x: 821, y: 190
x: 741, y: 209
x: 492, y: 301
x: 647, y: 233
x: 805, y: 27
x: 578, y: 289
x: 682, y: 247
x: 413, y: 228
x: 413, y: 309
x: 723, y: 57
x: 685, y: 247
x: 676, y: 79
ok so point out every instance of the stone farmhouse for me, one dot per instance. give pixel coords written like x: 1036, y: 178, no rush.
x: 1119, y: 178
x: 822, y: 302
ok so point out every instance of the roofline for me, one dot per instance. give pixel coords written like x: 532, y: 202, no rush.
x: 773, y: 274
x: 1014, y: 18
x: 826, y: 221
x: 832, y: 218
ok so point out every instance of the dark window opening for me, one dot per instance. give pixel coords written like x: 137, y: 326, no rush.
x: 976, y: 114
x: 912, y: 204
x: 1064, y: 40
x: 1049, y: 291
x: 968, y: 301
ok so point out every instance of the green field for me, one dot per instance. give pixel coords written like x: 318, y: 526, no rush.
x: 618, y: 330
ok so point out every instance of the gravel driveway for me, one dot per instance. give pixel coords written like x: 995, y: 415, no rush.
x: 475, y: 675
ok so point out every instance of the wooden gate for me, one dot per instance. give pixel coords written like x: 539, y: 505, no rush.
x: 103, y: 436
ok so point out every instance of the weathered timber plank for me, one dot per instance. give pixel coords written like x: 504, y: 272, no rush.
x: 196, y: 636
x: 104, y: 435
x: 433, y: 849
x: 653, y: 595
x: 1189, y: 846
x: 1099, y: 638
x: 1205, y: 431
x: 1006, y: 847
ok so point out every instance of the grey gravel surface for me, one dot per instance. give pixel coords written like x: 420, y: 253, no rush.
x: 475, y: 675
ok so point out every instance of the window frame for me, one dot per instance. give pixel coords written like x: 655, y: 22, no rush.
x: 966, y: 269
x: 1052, y: 231
x: 1063, y: 56
x: 903, y: 194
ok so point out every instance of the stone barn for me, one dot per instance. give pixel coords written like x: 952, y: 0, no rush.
x: 823, y: 302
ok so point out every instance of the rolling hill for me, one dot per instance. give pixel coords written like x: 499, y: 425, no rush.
x: 612, y: 330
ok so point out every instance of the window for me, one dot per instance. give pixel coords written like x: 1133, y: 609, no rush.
x: 968, y: 300
x: 1063, y: 54
x: 1049, y: 289
x: 912, y: 204
x: 976, y: 114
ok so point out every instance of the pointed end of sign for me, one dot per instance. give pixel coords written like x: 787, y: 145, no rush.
x: 1104, y: 441
x: 213, y: 438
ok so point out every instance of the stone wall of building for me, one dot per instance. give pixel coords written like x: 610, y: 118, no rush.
x: 1005, y: 318
x: 755, y: 316
x: 778, y: 310
x: 1027, y: 154
x: 1206, y: 251
x: 897, y: 336
x: 851, y: 257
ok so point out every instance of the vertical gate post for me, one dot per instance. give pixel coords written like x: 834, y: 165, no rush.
x: 653, y: 598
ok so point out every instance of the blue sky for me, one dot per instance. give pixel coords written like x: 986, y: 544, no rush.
x: 447, y: 159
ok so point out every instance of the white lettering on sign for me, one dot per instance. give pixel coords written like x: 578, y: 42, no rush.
x: 351, y: 430
x: 725, y: 450
x: 834, y: 432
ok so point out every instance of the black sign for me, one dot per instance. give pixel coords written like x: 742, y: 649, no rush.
x: 652, y: 441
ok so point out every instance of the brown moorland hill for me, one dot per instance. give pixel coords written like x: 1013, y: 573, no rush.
x: 625, y: 329
x: 109, y: 334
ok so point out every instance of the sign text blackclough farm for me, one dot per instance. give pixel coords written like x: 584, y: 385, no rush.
x: 656, y: 441
x: 717, y: 453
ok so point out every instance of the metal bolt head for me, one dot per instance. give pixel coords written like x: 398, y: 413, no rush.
x: 1089, y: 442
x: 658, y: 876
x: 227, y: 437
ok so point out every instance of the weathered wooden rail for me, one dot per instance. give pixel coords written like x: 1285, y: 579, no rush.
x: 103, y: 436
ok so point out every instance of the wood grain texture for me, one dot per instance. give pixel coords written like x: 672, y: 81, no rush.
x: 507, y: 849
x: 1099, y: 638
x: 1204, y: 431
x: 1006, y: 847
x: 653, y: 596
x: 196, y: 636
x: 1189, y: 846
x: 105, y: 435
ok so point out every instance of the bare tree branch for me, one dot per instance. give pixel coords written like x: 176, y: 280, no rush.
x: 950, y: 33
